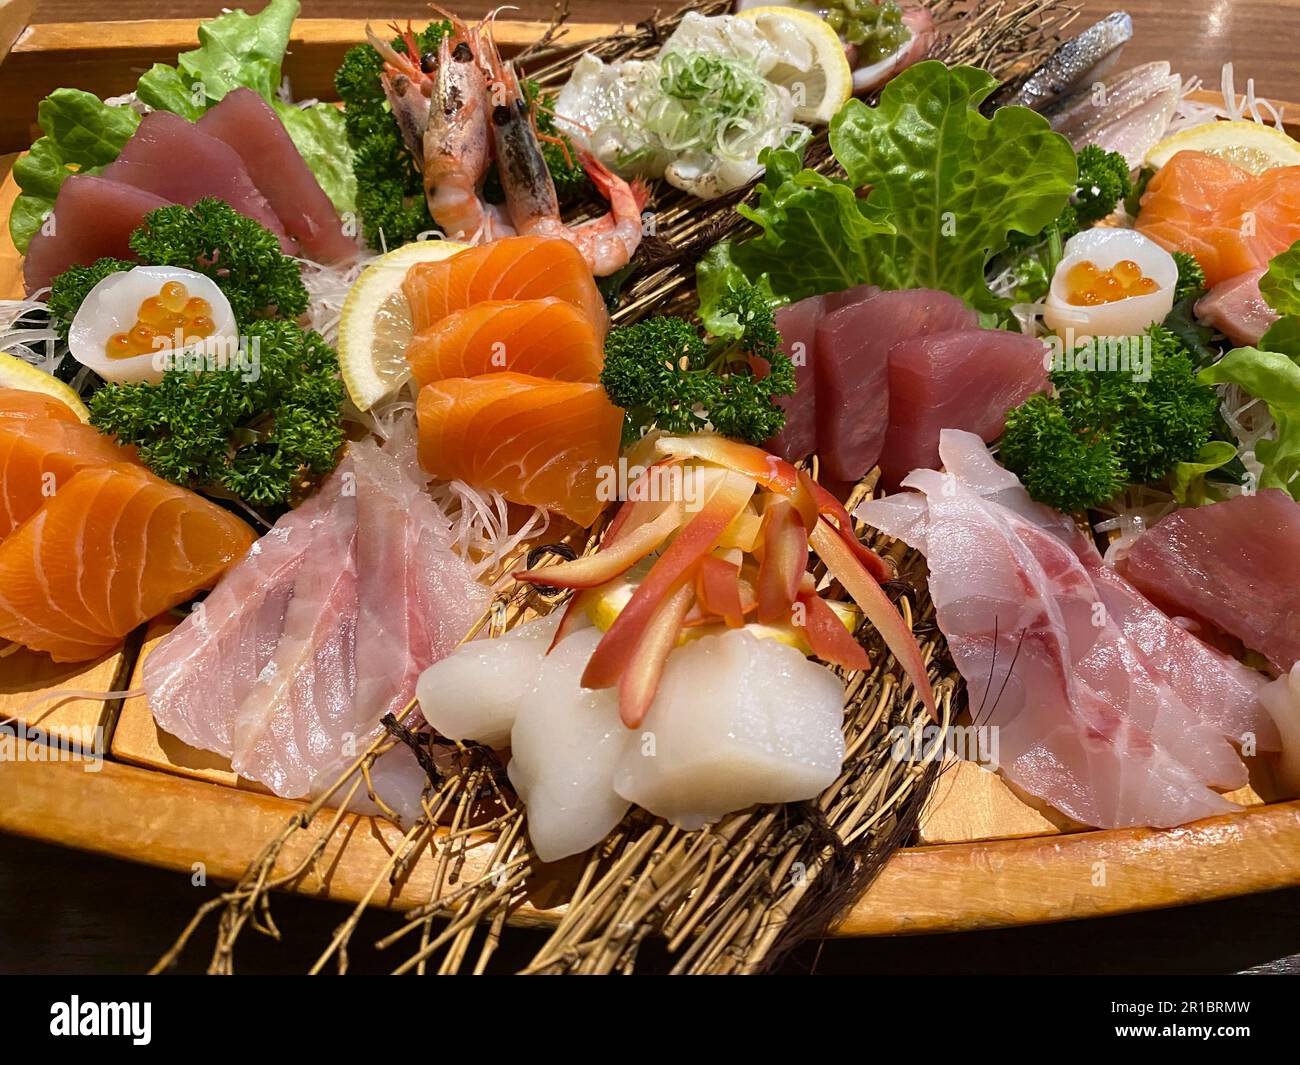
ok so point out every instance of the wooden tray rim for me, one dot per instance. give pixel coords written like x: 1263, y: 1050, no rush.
x: 982, y: 884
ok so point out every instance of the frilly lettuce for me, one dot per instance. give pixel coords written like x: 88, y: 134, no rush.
x: 1274, y: 378
x: 947, y: 186
x: 82, y: 133
x: 1280, y: 287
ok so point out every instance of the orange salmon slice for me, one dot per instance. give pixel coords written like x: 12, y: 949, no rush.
x: 113, y: 548
x: 539, y: 442
x: 1232, y: 221
x: 40, y: 455
x: 542, y: 338
x: 514, y: 268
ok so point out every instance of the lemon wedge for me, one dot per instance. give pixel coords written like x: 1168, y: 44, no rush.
x: 375, y: 327
x: 1249, y: 145
x: 814, y: 67
x: 14, y: 373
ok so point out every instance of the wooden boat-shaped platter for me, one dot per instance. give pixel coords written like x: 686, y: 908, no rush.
x: 983, y: 858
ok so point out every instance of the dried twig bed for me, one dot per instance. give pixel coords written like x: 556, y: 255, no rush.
x: 731, y: 898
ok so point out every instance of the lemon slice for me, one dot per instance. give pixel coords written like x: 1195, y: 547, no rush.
x: 814, y: 68
x: 375, y: 327
x: 14, y: 373
x: 1249, y: 145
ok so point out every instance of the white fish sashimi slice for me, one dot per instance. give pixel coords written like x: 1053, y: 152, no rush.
x: 736, y: 721
x: 298, y: 653
x: 1134, y: 134
x: 564, y: 746
x: 476, y: 691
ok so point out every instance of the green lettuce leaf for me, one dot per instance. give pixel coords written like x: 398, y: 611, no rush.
x: 320, y: 135
x: 816, y: 231
x: 1274, y: 378
x: 1187, y: 480
x: 715, y: 276
x: 82, y: 134
x: 1280, y: 287
x: 954, y: 183
x: 236, y: 50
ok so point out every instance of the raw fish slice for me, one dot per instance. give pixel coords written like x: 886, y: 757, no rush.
x: 736, y: 721
x: 171, y: 157
x: 544, y: 338
x: 1222, y: 690
x: 514, y: 268
x: 39, y: 456
x: 563, y: 750
x: 1230, y: 220
x: 1232, y: 564
x: 199, y: 676
x: 295, y: 656
x: 1086, y: 719
x: 476, y: 691
x: 246, y: 122
x: 93, y: 218
x: 1237, y: 309
x: 115, y: 547
x: 852, y: 370
x: 797, y: 324
x: 1089, y: 109
x: 965, y: 379
x: 544, y: 443
x: 20, y: 403
x: 1141, y: 127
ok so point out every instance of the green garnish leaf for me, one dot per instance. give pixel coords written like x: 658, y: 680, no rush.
x: 1188, y: 480
x: 1274, y: 378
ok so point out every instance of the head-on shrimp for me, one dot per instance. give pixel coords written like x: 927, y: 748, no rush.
x: 407, y: 86
x: 456, y: 144
x: 607, y: 243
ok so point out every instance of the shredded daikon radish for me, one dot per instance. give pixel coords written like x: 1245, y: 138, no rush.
x: 327, y: 288
x: 1131, y: 514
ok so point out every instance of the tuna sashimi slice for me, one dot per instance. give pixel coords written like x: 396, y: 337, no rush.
x: 292, y: 660
x: 852, y: 370
x: 1233, y: 564
x: 1237, y: 309
x: 93, y: 218
x: 246, y: 122
x: 113, y: 548
x: 1095, y: 717
x: 174, y: 159
x: 964, y: 379
x: 797, y: 324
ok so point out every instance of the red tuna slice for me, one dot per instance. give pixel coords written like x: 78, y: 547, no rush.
x: 92, y: 219
x: 798, y: 326
x: 1233, y: 564
x: 1237, y: 309
x: 965, y: 379
x: 246, y: 122
x: 852, y: 370
x: 850, y: 296
x: 172, y: 158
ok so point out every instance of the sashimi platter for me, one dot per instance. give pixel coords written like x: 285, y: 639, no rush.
x: 818, y: 468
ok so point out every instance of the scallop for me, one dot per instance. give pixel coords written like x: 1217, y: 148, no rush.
x: 1123, y: 317
x: 113, y: 306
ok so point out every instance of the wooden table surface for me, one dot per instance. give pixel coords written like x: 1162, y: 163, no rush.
x: 1198, y: 36
x: 88, y: 914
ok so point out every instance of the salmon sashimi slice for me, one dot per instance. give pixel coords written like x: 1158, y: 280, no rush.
x: 23, y: 403
x: 115, y: 547
x: 543, y: 443
x: 1231, y: 220
x: 543, y: 338
x: 40, y: 455
x: 515, y: 268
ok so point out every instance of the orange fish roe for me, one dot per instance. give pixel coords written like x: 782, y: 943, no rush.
x: 1086, y: 285
x: 158, y: 319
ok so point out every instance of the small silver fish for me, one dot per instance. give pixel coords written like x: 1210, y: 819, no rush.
x: 1087, y: 56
